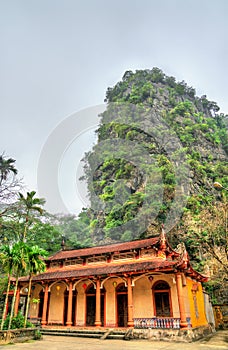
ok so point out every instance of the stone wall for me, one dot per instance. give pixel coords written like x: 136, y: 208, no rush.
x: 181, y: 335
x: 17, y: 335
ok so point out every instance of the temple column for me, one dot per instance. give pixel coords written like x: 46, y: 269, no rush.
x: 44, y: 313
x: 69, y: 308
x: 183, y: 322
x: 17, y: 301
x: 130, y: 321
x: 98, y: 304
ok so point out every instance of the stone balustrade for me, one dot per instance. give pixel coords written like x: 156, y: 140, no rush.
x: 157, y: 322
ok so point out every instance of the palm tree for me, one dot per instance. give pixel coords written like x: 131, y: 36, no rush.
x: 9, y: 185
x: 7, y: 259
x: 35, y: 265
x: 30, y: 204
x: 19, y: 269
x: 6, y: 167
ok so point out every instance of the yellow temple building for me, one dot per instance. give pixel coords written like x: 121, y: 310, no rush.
x: 142, y: 284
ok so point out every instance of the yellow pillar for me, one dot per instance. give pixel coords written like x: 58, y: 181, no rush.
x: 44, y: 314
x: 183, y: 322
x: 98, y: 304
x: 130, y: 321
x: 69, y: 308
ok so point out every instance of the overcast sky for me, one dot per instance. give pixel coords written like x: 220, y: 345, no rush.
x: 59, y: 56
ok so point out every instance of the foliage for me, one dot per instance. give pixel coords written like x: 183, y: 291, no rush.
x: 17, y: 322
x: 28, y: 207
x: 46, y: 236
x: 35, y: 265
x: 17, y: 260
x: 75, y: 230
x: 38, y: 335
x: 9, y: 185
x: 119, y: 184
x: 194, y: 120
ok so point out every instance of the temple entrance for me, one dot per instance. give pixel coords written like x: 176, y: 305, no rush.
x: 122, y: 307
x: 162, y: 302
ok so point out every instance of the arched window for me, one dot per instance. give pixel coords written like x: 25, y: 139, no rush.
x: 162, y: 299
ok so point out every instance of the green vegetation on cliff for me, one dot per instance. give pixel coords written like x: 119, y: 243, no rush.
x: 158, y: 141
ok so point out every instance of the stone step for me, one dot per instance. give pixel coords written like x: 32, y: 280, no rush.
x: 116, y: 336
x: 73, y: 334
x: 86, y: 333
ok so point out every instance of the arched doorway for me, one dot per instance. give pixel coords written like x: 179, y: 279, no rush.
x: 162, y: 300
x: 122, y: 307
x: 91, y: 305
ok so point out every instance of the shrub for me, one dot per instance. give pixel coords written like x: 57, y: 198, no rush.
x: 17, y: 322
x: 38, y: 335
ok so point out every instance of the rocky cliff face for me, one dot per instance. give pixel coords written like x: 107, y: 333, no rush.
x: 156, y: 133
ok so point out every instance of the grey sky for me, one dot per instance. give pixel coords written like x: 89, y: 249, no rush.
x: 58, y: 57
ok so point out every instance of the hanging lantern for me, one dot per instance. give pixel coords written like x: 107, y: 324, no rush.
x: 58, y: 289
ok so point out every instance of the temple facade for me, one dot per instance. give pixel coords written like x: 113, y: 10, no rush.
x: 140, y: 284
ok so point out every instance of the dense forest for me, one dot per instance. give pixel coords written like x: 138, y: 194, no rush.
x: 161, y: 149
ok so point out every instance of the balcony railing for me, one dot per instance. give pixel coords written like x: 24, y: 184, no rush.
x: 157, y: 322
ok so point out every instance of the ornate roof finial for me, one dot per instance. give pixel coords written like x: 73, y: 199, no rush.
x: 63, y: 243
x: 162, y: 238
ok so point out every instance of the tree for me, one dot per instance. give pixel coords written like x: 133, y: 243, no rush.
x: 6, y: 167
x: 208, y: 230
x: 75, y: 230
x: 16, y: 267
x: 35, y: 265
x: 7, y: 260
x: 28, y: 207
x: 9, y: 184
x: 46, y: 236
x: 206, y: 237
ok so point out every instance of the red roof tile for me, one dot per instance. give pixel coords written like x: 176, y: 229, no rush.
x: 66, y: 254
x: 86, y: 271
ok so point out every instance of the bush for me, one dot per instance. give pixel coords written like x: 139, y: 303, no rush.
x: 17, y: 322
x: 38, y: 335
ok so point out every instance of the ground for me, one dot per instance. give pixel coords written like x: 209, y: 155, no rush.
x: 216, y: 342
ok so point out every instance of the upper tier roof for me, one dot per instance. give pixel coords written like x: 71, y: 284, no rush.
x: 111, y: 248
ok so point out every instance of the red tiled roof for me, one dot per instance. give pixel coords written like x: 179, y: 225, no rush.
x: 180, y: 263
x: 109, y: 268
x: 66, y: 254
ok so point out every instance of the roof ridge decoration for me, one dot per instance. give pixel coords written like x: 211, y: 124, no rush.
x: 163, y: 240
